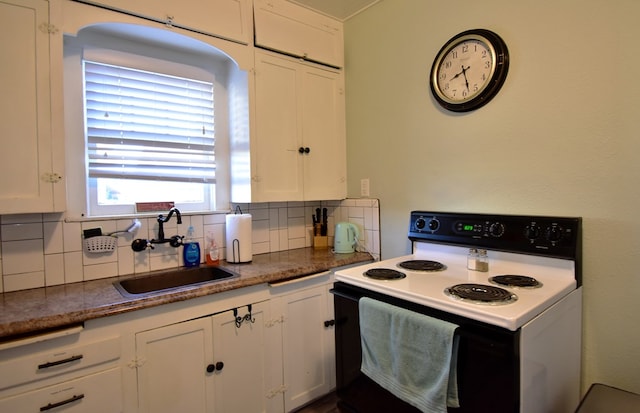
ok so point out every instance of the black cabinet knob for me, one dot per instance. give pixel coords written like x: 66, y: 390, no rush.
x: 213, y: 367
x: 329, y: 323
x: 305, y: 149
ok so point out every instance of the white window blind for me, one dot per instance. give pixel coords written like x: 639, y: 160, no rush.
x: 144, y: 125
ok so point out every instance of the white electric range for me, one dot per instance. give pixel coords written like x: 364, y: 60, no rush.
x: 526, y: 299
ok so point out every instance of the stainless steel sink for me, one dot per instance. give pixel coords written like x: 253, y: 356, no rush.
x: 168, y: 280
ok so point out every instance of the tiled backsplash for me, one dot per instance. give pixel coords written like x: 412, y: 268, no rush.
x: 42, y: 249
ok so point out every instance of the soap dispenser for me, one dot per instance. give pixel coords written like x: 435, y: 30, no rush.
x: 212, y: 254
x: 191, y: 251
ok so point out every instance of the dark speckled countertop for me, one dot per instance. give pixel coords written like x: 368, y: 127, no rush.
x: 30, y: 311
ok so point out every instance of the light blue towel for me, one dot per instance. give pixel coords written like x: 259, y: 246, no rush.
x: 410, y: 354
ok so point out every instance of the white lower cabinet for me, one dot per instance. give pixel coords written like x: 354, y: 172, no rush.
x: 308, y: 349
x: 242, y: 347
x: 70, y: 370
x: 96, y: 393
x: 210, y: 354
x: 172, y: 363
x: 210, y: 364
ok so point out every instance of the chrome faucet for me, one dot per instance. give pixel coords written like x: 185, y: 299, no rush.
x: 174, y: 241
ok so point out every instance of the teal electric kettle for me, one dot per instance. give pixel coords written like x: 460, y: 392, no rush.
x: 346, y: 238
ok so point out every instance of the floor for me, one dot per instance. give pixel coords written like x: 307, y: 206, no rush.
x: 326, y: 404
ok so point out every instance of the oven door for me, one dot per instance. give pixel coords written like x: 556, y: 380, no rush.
x: 488, y: 361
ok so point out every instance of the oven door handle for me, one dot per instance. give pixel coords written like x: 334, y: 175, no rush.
x: 344, y: 295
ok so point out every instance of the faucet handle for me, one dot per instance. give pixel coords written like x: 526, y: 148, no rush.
x: 176, y: 241
x: 141, y: 244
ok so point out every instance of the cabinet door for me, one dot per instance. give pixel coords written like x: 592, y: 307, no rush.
x: 240, y: 384
x: 307, y: 346
x: 172, y: 368
x: 279, y: 174
x: 323, y: 132
x: 298, y: 106
x: 26, y: 165
x: 228, y: 19
x: 286, y: 27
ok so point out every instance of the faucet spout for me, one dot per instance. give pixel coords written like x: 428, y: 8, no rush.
x: 162, y: 220
x: 171, y: 212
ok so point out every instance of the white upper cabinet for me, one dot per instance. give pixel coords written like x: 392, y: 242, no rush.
x: 227, y: 19
x: 299, y: 144
x: 31, y: 161
x: 291, y: 29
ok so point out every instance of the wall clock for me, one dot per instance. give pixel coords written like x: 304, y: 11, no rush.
x: 469, y: 70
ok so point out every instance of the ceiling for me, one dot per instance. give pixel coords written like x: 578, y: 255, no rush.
x: 340, y: 9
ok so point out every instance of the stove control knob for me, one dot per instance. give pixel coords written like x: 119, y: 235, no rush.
x: 496, y: 229
x: 434, y: 224
x: 420, y: 223
x: 532, y: 232
x: 554, y: 233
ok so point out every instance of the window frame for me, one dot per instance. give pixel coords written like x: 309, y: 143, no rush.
x: 143, y: 55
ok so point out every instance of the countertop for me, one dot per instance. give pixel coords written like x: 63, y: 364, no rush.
x: 30, y: 311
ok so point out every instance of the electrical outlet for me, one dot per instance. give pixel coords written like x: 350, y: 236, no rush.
x: 364, y: 187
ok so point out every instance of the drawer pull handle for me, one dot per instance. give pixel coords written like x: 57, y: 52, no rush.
x: 59, y: 362
x: 62, y: 403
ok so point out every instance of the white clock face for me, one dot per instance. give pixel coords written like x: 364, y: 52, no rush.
x: 465, y: 69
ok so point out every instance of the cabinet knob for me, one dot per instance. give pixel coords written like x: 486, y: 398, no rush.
x: 213, y: 367
x: 305, y: 149
x: 329, y: 323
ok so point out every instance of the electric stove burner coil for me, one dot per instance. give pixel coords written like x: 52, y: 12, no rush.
x: 510, y: 280
x: 480, y: 293
x: 422, y: 265
x: 384, y: 274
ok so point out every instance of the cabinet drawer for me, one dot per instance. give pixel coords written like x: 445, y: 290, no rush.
x: 297, y: 31
x: 96, y: 393
x: 56, y: 360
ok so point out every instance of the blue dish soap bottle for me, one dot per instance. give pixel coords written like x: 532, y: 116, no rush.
x: 191, y: 251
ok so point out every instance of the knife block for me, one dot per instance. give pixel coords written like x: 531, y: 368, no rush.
x: 320, y: 242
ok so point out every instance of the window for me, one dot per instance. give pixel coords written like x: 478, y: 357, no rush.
x: 148, y: 115
x: 148, y: 134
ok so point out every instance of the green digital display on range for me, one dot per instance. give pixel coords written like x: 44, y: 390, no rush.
x: 467, y: 227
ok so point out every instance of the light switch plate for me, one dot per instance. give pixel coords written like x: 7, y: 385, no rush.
x: 364, y: 187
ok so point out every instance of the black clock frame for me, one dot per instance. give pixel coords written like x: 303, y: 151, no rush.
x: 495, y: 83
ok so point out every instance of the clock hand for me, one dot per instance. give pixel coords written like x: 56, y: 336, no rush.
x: 464, y: 73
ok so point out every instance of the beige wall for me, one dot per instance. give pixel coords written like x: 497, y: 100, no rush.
x: 561, y: 138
